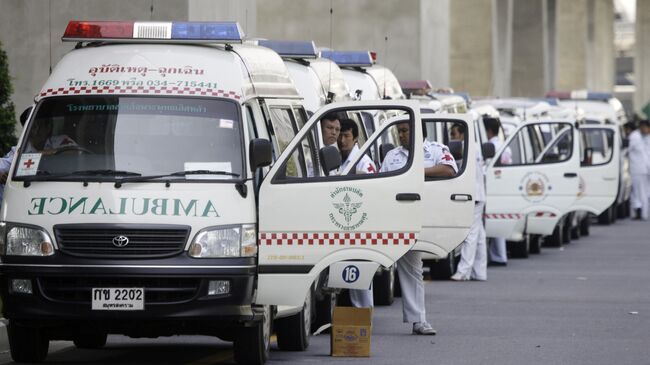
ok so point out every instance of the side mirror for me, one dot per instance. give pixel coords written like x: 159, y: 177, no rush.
x: 261, y: 153
x: 24, y: 115
x: 384, y: 149
x: 456, y: 149
x: 488, y: 150
x: 330, y: 159
x: 625, y: 143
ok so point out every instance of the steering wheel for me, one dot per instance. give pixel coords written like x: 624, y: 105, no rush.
x: 72, y: 148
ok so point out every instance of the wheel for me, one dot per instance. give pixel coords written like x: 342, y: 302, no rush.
x: 575, y: 232
x: 90, y: 340
x: 519, y: 249
x: 323, y: 309
x: 535, y: 243
x: 397, y: 290
x: 443, y: 269
x: 252, y: 343
x: 293, y: 332
x: 554, y: 240
x: 621, y: 210
x: 605, y: 217
x: 383, y: 287
x: 613, y: 216
x: 27, y: 344
x: 584, y: 226
x: 566, y: 232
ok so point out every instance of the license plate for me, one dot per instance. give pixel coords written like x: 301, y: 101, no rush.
x: 118, y: 299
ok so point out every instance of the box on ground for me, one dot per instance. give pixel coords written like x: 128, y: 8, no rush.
x: 351, y: 329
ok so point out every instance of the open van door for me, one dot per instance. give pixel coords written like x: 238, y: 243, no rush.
x: 539, y: 181
x: 448, y: 203
x: 311, y: 218
x: 599, y: 168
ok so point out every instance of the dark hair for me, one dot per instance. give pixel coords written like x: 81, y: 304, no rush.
x: 330, y: 116
x: 644, y: 122
x: 630, y: 125
x: 349, y: 124
x: 460, y: 127
x: 492, y: 124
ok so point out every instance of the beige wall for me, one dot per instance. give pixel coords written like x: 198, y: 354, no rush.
x: 600, y: 45
x: 642, y: 55
x: 434, y: 41
x: 571, y: 44
x: 529, y: 48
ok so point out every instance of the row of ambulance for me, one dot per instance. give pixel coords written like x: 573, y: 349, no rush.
x: 172, y: 178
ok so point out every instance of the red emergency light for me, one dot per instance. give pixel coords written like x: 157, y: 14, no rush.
x: 98, y: 29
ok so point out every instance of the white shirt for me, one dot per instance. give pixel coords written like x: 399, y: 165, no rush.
x: 5, y: 165
x: 434, y: 154
x: 365, y: 165
x: 480, y: 176
x: 52, y: 142
x: 506, y: 156
x: 646, y: 140
x: 638, y: 154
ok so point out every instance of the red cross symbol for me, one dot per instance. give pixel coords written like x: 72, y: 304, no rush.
x: 29, y: 163
x: 371, y: 168
x: 447, y: 157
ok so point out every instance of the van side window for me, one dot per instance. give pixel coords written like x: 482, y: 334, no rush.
x: 284, y: 129
x: 542, y: 143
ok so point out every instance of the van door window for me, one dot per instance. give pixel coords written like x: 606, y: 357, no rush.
x: 284, y: 129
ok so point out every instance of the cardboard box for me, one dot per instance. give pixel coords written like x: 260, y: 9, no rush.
x: 351, y: 330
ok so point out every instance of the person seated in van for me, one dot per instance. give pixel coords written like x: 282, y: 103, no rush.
x: 330, y: 129
x: 41, y: 139
x: 438, y: 162
x: 348, y: 145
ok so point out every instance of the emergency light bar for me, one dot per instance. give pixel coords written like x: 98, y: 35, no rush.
x: 579, y: 95
x: 291, y: 49
x: 349, y: 58
x: 195, y: 32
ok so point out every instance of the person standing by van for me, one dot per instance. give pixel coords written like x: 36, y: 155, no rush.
x: 438, y: 162
x: 497, y: 253
x: 348, y: 145
x: 473, y: 254
x: 5, y: 165
x: 639, y: 171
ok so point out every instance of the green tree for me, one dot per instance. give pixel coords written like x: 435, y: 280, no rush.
x: 7, y: 112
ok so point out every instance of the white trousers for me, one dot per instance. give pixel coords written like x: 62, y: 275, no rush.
x: 639, y: 195
x: 497, y: 252
x: 361, y: 298
x: 409, y: 269
x: 473, y: 253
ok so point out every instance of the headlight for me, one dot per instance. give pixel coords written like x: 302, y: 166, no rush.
x: 238, y: 241
x: 27, y: 241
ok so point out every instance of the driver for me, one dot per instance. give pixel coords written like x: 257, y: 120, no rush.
x: 41, y: 139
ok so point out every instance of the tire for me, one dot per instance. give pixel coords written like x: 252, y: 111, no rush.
x: 566, y: 232
x: 293, y: 332
x: 383, y: 287
x: 519, y: 249
x: 443, y: 269
x: 253, y: 343
x: 323, y: 310
x: 584, y: 226
x: 613, y: 215
x: 605, y: 218
x: 535, y: 244
x: 554, y: 240
x: 575, y: 232
x: 27, y: 344
x: 397, y: 291
x: 621, y: 210
x: 90, y: 340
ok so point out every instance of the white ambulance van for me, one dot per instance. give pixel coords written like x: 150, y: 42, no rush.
x: 140, y: 201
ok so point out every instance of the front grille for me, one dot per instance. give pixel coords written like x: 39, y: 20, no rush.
x: 97, y: 241
x: 156, y: 290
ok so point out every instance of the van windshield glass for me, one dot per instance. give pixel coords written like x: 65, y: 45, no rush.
x: 109, y: 137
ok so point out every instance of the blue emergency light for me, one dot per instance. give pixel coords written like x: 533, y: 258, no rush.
x: 291, y: 49
x: 349, y: 58
x: 202, y: 32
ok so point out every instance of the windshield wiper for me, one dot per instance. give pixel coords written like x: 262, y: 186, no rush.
x: 118, y: 183
x: 46, y: 175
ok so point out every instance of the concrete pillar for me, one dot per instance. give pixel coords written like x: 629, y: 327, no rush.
x: 571, y: 44
x: 471, y: 56
x: 529, y: 48
x: 642, y: 58
x: 502, y: 46
x: 600, y: 45
x: 354, y: 25
x: 434, y: 41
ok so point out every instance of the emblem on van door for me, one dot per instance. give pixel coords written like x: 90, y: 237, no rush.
x: 348, y: 204
x: 535, y: 187
x: 120, y: 241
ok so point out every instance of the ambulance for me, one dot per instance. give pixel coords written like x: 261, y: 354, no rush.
x: 168, y: 182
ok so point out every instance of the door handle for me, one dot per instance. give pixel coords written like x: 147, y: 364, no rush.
x: 570, y: 174
x: 609, y: 178
x: 403, y: 197
x: 461, y: 197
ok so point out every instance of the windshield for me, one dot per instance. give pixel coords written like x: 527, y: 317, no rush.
x: 116, y: 136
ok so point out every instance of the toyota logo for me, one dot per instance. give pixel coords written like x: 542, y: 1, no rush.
x: 120, y: 241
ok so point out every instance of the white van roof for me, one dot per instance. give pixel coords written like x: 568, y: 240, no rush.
x: 387, y: 83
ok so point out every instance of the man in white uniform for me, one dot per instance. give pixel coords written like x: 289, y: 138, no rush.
x: 438, y: 162
x: 639, y: 171
x: 497, y: 253
x: 5, y: 164
x: 646, y: 139
x: 330, y: 128
x: 473, y: 253
x: 41, y: 139
x: 347, y: 141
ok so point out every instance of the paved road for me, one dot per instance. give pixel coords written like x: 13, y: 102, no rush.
x: 585, y: 303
